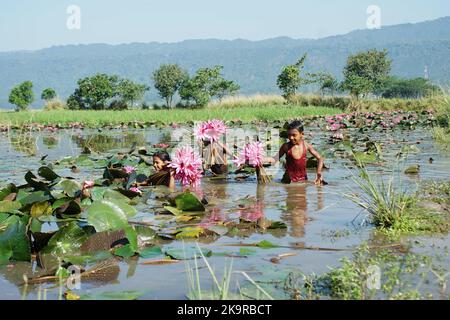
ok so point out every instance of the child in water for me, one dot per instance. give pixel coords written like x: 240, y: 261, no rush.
x: 296, y: 156
x: 164, y: 175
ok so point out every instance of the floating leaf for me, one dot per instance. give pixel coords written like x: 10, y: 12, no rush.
x: 415, y: 169
x: 125, y: 251
x: 113, y: 194
x: 150, y: 252
x: 277, y: 225
x: 70, y: 187
x: 105, y: 216
x: 47, y: 173
x: 129, y: 210
x: 13, y: 238
x: 41, y: 208
x: 266, y: 244
x: 186, y: 253
x: 5, y: 254
x: 189, y: 232
x: 220, y: 230
x: 188, y: 202
x: 8, y: 206
x: 174, y: 210
x: 29, y: 198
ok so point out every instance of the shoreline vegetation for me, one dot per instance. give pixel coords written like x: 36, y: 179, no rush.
x: 238, y: 109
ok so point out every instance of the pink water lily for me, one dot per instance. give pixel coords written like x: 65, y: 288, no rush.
x: 210, y: 130
x: 129, y: 169
x: 253, y: 155
x: 335, y: 127
x: 252, y: 214
x: 136, y: 190
x: 161, y: 145
x: 88, y: 184
x: 188, y: 166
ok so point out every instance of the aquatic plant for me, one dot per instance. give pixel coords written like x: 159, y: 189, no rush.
x: 210, y: 130
x: 188, y: 166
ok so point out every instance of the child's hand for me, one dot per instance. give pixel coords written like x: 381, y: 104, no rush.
x: 319, y: 179
x: 269, y: 160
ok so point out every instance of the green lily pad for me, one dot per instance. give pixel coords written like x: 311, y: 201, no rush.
x: 265, y: 244
x: 47, y: 173
x: 8, y: 206
x: 188, y: 202
x: 41, y: 208
x: 70, y: 187
x: 150, y: 252
x: 186, y: 253
x: 13, y: 238
x: 106, y: 216
x: 5, y: 254
x: 30, y: 198
x: 125, y: 252
x: 189, y: 232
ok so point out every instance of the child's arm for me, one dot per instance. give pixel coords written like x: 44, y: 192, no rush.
x: 172, y: 181
x: 278, y: 156
x: 316, y: 155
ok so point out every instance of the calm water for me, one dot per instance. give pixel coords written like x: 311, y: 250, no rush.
x: 313, y: 214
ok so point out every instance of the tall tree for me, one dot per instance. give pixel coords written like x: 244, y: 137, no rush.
x: 22, y: 95
x: 48, y: 94
x: 206, y: 84
x: 290, y: 78
x: 168, y: 79
x: 366, y: 72
x: 94, y: 92
x: 128, y: 92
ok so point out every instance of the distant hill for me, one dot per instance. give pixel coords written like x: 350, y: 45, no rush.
x: 253, y: 64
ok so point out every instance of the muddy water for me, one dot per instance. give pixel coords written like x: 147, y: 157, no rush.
x: 315, y: 216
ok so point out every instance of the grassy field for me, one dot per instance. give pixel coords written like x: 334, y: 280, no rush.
x: 101, y: 118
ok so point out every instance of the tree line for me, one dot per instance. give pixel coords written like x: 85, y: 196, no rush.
x: 366, y: 73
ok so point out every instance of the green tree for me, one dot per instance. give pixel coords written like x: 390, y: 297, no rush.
x: 94, y: 92
x: 168, y: 79
x: 326, y: 81
x: 206, y: 84
x: 48, y: 94
x: 128, y: 92
x: 407, y: 88
x: 290, y: 79
x: 22, y: 95
x: 366, y: 72
x: 223, y: 88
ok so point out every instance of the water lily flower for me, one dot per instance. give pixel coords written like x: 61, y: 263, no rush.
x: 335, y: 127
x: 88, y: 184
x: 188, y: 166
x: 210, y: 130
x: 161, y: 145
x: 251, y: 155
x: 129, y: 169
x: 136, y: 190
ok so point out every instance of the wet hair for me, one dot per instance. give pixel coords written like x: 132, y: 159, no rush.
x: 296, y: 125
x: 163, y: 155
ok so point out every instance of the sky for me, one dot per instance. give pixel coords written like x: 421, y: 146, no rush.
x: 36, y: 24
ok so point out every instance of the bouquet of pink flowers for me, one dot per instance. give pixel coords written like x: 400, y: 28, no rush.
x: 209, y: 134
x: 253, y: 155
x: 188, y: 166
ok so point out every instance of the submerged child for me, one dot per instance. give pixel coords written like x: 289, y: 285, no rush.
x: 296, y: 156
x: 164, y: 175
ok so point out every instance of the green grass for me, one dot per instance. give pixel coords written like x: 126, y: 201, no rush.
x: 103, y: 118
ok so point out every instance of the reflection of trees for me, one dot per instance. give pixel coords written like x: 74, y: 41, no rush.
x: 103, y: 142
x: 24, y: 143
x: 296, y: 206
x: 50, y: 141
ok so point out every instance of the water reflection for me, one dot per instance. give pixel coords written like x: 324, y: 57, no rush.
x: 105, y: 142
x: 296, y: 208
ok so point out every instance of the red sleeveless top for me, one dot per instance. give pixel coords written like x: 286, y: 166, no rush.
x: 296, y: 168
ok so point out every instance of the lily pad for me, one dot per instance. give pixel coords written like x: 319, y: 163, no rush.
x: 47, y: 173
x: 125, y: 295
x: 70, y: 187
x: 150, y: 252
x: 106, y: 216
x: 125, y: 251
x: 189, y: 232
x: 188, y: 202
x: 8, y: 206
x: 6, y: 191
x: 13, y: 238
x: 41, y: 208
x: 187, y: 253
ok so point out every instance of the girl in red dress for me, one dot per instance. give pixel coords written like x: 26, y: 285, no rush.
x: 296, y: 156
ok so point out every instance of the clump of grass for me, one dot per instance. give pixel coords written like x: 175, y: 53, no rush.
x: 368, y: 275
x: 221, y: 289
x: 442, y: 136
x: 254, y: 101
x: 55, y: 104
x: 392, y: 209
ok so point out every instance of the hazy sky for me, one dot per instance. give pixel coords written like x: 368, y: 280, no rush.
x: 35, y: 24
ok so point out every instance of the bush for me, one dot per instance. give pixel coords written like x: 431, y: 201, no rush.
x: 55, y: 104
